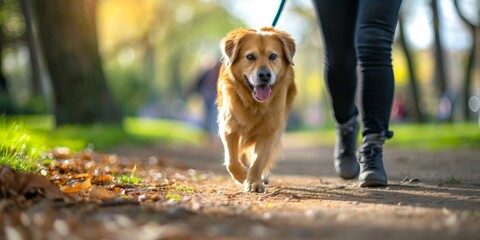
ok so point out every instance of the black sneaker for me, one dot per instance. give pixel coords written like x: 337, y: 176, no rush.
x: 344, y: 158
x: 370, y: 158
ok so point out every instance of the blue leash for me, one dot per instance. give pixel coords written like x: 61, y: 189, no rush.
x: 280, y: 9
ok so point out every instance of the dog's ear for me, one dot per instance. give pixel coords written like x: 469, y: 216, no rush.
x: 229, y: 47
x: 228, y: 50
x: 230, y: 44
x: 288, y: 46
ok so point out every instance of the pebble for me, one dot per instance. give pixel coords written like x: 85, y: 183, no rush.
x: 177, y: 211
x: 195, y: 206
x: 219, y: 229
x: 259, y: 231
x: 452, y: 221
x: 25, y: 219
x: 155, y: 231
x: 62, y: 227
x: 61, y: 152
x: 12, y: 233
x: 267, y: 216
x: 143, y: 197
x: 271, y: 215
x: 342, y: 217
x: 313, y: 214
x: 171, y: 231
x: 446, y: 211
x: 155, y: 197
x: 123, y: 221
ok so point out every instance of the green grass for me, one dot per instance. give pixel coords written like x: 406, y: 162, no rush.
x: 26, y: 139
x: 179, y: 192
x: 452, y: 180
x: 437, y: 136
x: 130, y: 179
x: 97, y: 136
x: 20, y: 146
x: 173, y: 196
x: 166, y: 130
x: 441, y: 136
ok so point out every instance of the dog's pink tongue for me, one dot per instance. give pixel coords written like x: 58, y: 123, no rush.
x: 262, y: 92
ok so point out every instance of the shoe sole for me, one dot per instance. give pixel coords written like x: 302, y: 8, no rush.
x: 347, y: 177
x: 373, y: 184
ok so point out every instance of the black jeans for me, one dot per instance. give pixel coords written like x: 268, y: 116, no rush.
x: 359, y: 31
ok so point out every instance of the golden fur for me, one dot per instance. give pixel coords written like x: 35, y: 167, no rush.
x: 252, y: 113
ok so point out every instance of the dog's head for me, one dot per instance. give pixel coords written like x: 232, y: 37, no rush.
x: 258, y: 58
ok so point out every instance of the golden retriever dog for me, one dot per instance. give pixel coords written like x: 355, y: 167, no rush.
x: 255, y: 93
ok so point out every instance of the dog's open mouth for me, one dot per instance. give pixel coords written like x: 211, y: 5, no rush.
x: 260, y: 92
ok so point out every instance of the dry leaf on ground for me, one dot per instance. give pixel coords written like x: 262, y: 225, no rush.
x: 29, y: 185
x: 101, y: 193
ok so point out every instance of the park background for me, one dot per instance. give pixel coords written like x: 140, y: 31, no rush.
x: 102, y: 126
x: 96, y: 73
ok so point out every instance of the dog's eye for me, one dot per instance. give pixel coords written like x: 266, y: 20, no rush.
x: 250, y: 57
x: 272, y: 56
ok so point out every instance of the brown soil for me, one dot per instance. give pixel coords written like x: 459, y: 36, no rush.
x: 432, y: 195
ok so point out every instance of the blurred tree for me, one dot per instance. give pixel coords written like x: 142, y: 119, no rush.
x: 189, y: 26
x: 6, y: 106
x: 34, y: 64
x: 67, y: 31
x: 157, y: 54
x: 6, y: 103
x: 416, y: 114
x: 440, y: 75
x: 17, y: 35
x: 474, y: 28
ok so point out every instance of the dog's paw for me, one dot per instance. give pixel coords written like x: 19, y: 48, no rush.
x: 238, y: 173
x: 256, y: 186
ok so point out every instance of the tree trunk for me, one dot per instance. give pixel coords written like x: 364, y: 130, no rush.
x: 417, y: 114
x: 35, y: 67
x: 68, y: 35
x: 440, y: 76
x: 6, y: 104
x: 468, y: 71
x: 439, y: 63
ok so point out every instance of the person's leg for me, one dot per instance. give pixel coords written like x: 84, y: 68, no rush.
x: 374, y: 37
x: 337, y: 19
x: 376, y: 24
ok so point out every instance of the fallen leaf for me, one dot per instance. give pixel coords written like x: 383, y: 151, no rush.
x: 75, y: 188
x: 82, y: 175
x: 29, y: 185
x: 87, y: 185
x: 104, y: 178
x: 78, y: 187
x: 101, y: 193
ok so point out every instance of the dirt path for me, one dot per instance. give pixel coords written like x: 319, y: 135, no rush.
x: 188, y: 195
x: 431, y: 196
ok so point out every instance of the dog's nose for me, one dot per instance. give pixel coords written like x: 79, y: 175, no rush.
x: 264, y: 75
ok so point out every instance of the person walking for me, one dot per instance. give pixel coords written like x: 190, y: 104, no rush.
x: 206, y: 86
x: 359, y: 33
